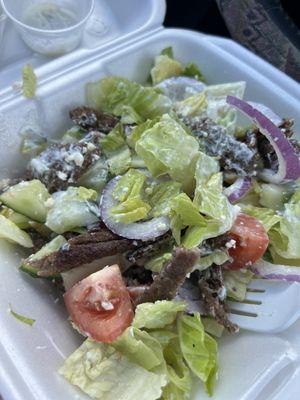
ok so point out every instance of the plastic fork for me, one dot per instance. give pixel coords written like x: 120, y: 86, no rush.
x: 270, y: 306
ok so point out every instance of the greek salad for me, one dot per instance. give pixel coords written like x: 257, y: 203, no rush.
x: 149, y: 213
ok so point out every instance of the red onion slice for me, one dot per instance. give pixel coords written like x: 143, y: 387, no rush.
x: 137, y: 230
x: 238, y: 189
x: 267, y: 112
x: 267, y: 270
x: 289, y: 163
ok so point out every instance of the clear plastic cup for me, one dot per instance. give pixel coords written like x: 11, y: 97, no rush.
x: 46, y: 30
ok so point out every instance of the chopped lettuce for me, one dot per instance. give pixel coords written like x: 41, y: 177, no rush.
x: 193, y: 106
x: 116, y: 150
x: 27, y: 198
x: 193, y: 71
x: 129, y: 192
x: 180, y: 380
x: 218, y: 257
x: 164, y: 336
x: 166, y: 148
x: 212, y: 103
x: 220, y: 214
x: 25, y: 320
x: 266, y: 216
x: 142, y: 349
x: 199, y: 349
x: 72, y: 135
x: 138, y: 131
x: 167, y: 51
x: 130, y: 185
x: 131, y: 210
x: 29, y: 81
x: 236, y: 283
x: 113, y: 93
x: 284, y: 237
x: 161, y: 196
x: 165, y: 67
x: 217, y: 108
x: 104, y: 374
x: 157, y: 315
x: 206, y: 166
x: 188, y: 212
x: 12, y: 233
x: 72, y: 208
x: 156, y: 263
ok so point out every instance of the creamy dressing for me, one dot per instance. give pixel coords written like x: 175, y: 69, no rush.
x: 49, y: 16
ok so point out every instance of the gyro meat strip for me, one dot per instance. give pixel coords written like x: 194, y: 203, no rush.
x: 212, y: 295
x: 74, y: 255
x: 61, y: 165
x: 234, y: 156
x: 172, y: 275
x: 88, y: 119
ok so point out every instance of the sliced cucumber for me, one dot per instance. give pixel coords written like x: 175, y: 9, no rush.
x: 12, y: 233
x: 27, y: 198
x: 28, y: 265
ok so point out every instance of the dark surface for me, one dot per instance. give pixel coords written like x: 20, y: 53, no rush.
x: 269, y: 28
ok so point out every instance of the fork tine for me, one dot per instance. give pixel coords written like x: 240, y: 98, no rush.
x: 244, y: 307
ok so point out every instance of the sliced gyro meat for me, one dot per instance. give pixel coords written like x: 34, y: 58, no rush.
x: 87, y: 118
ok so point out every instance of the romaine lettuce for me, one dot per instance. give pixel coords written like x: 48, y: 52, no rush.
x: 104, y: 374
x: 236, y: 283
x: 157, y: 315
x: 266, y: 216
x: 161, y: 196
x: 165, y: 67
x: 155, y: 263
x: 113, y: 93
x: 166, y: 148
x: 199, y: 349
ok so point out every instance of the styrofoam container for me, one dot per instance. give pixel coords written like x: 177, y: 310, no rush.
x: 252, y: 366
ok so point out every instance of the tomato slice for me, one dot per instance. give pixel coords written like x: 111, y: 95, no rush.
x: 100, y: 305
x: 251, y: 241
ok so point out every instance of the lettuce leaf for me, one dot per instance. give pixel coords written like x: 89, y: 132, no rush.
x: 166, y: 148
x: 212, y: 327
x: 212, y: 103
x: 142, y: 349
x: 95, y: 177
x: 116, y: 150
x: 199, y: 349
x: 156, y: 263
x: 161, y: 196
x: 193, y: 71
x: 104, y: 374
x: 218, y: 257
x: 266, y: 216
x: 206, y: 166
x: 111, y: 94
x: 284, y: 237
x: 180, y: 381
x: 129, y: 192
x: 72, y: 208
x: 29, y: 81
x: 132, y: 210
x: 188, y: 212
x: 217, y: 108
x: 165, y: 67
x: 236, y: 283
x: 157, y: 315
x: 220, y: 214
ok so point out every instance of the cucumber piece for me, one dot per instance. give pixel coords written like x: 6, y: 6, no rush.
x: 20, y: 220
x: 95, y: 177
x: 12, y: 233
x: 28, y: 265
x: 73, y: 208
x: 27, y: 198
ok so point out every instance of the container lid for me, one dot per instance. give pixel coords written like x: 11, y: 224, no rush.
x: 112, y: 24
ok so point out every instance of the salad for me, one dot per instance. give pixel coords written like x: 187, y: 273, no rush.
x: 149, y: 213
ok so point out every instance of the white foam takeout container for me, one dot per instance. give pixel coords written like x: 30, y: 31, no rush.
x: 252, y: 366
